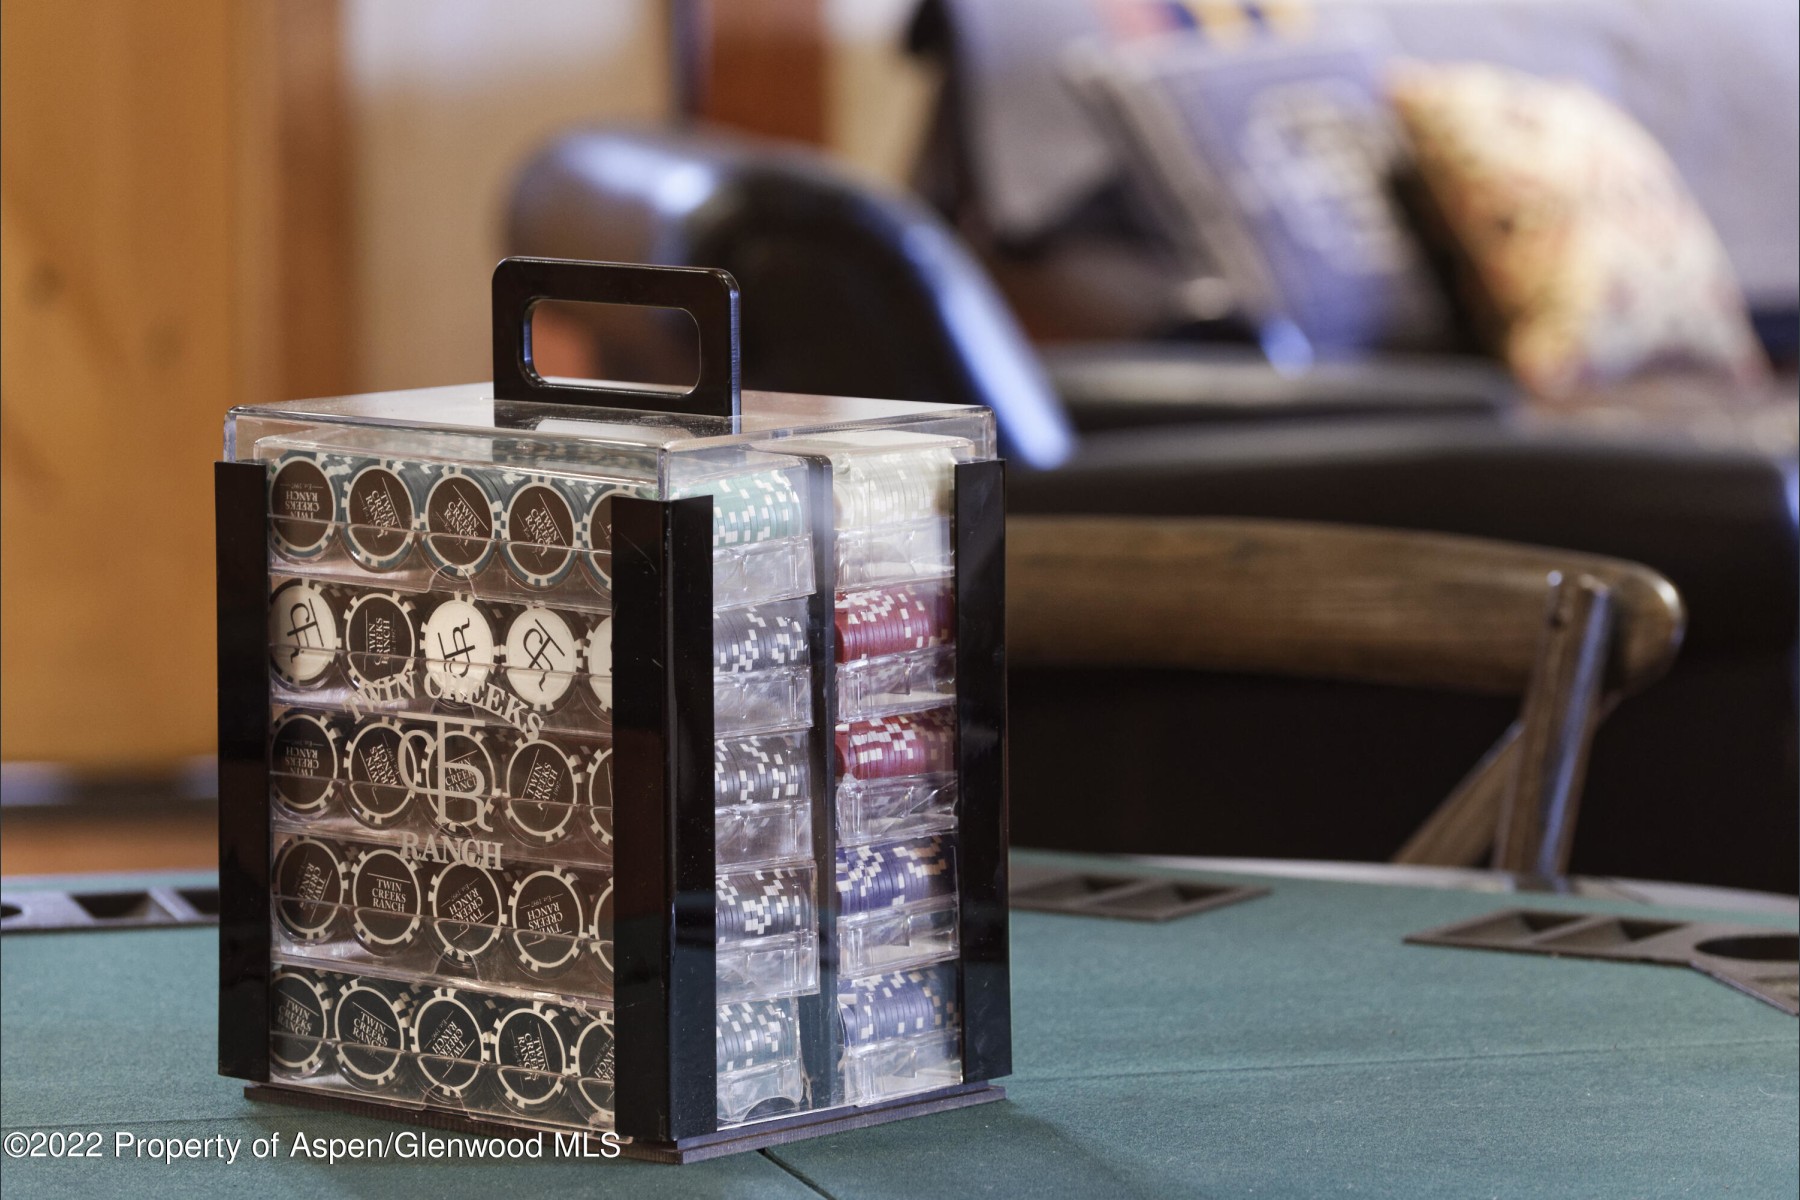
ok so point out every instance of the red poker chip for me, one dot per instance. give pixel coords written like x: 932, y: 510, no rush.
x: 889, y: 747
x: 892, y: 620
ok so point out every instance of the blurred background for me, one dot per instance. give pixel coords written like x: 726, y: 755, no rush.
x: 1234, y: 234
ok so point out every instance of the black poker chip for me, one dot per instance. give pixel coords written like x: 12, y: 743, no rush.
x: 302, y: 505
x: 299, y: 1020
x: 899, y: 1005
x: 543, y: 656
x: 459, y: 777
x: 467, y: 905
x: 757, y: 904
x: 303, y: 762
x: 459, y: 649
x: 304, y: 637
x: 889, y: 747
x: 384, y: 768
x: 542, y: 791
x: 380, y: 641
x: 758, y: 639
x: 389, y: 903
x: 594, y: 1063
x: 462, y: 521
x: 761, y: 770
x: 886, y: 875
x: 450, y: 1042
x: 545, y: 912
x: 540, y: 526
x: 600, y: 796
x: 596, y: 532
x: 757, y: 1033
x: 531, y: 1055
x: 600, y: 928
x: 370, y: 1023
x: 309, y: 889
x: 381, y: 514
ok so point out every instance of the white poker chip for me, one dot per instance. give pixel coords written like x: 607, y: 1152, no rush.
x: 309, y: 889
x: 370, y: 1025
x: 542, y: 791
x: 304, y: 762
x: 458, y: 643
x: 381, y: 514
x: 384, y: 764
x: 380, y: 640
x: 299, y: 1021
x: 542, y: 657
x: 595, y: 1065
x: 303, y: 633
x: 459, y: 778
x: 467, y: 906
x: 449, y: 1041
x: 387, y: 902
x: 600, y: 796
x: 545, y: 913
x: 530, y: 1055
x: 600, y: 931
x: 541, y: 530
x: 462, y: 521
x: 599, y: 662
x: 302, y: 504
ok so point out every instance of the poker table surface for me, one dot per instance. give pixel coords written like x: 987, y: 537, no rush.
x: 1290, y: 1045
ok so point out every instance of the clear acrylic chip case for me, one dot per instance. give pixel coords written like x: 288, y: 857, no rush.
x: 566, y: 730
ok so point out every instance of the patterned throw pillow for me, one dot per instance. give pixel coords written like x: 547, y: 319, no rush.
x: 1589, y: 255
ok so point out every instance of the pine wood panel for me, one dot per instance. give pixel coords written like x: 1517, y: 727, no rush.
x: 171, y: 234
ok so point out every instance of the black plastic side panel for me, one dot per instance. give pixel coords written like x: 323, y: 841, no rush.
x: 243, y: 596
x: 980, y: 534
x: 663, y: 818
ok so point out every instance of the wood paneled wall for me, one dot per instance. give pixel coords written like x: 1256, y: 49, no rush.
x: 157, y: 215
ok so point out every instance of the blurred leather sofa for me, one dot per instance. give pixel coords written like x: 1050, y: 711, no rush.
x: 852, y: 289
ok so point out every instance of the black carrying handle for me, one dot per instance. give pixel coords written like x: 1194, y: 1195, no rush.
x: 708, y: 295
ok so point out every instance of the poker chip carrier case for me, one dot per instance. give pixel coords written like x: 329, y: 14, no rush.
x: 612, y: 759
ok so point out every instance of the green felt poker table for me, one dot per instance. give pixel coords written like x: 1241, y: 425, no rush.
x: 1290, y: 1045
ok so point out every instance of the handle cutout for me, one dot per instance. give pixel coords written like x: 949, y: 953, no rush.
x: 709, y: 297
x: 581, y: 343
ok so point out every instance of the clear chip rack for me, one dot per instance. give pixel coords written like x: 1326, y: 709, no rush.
x: 603, y: 759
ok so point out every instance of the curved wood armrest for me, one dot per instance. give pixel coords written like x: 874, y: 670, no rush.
x: 1321, y: 601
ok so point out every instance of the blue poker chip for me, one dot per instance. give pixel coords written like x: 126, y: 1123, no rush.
x: 462, y: 520
x: 887, y: 875
x: 541, y: 528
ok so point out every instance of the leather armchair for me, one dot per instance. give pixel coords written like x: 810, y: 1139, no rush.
x: 850, y: 289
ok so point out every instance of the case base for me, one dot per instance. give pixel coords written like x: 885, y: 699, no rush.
x: 758, y: 1136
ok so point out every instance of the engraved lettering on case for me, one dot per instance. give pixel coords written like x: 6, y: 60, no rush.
x: 473, y: 852
x: 303, y: 632
x: 460, y: 780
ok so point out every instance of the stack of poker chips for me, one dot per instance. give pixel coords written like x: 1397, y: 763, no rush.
x: 894, y: 733
x: 888, y: 875
x: 466, y: 1048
